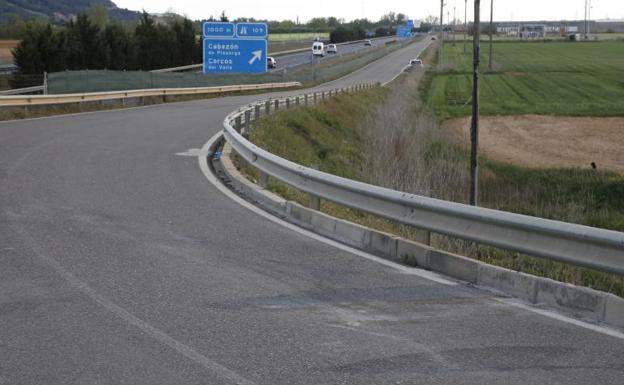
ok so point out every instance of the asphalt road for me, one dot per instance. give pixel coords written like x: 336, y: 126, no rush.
x: 297, y: 59
x: 121, y: 264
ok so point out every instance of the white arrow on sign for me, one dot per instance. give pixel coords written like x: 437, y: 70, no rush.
x: 257, y: 55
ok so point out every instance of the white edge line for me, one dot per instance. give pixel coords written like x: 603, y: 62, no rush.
x: 151, y: 331
x: 203, y: 165
x: 561, y: 317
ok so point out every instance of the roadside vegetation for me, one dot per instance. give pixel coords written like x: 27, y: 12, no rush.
x: 390, y: 137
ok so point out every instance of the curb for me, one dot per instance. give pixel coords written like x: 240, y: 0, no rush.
x: 579, y: 302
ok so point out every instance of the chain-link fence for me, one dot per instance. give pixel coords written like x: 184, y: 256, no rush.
x: 103, y: 80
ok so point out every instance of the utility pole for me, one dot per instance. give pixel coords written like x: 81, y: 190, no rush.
x: 465, y: 23
x: 454, y: 8
x: 491, y: 34
x: 440, y: 53
x: 585, y: 19
x: 474, y: 127
x: 589, y: 19
x: 448, y: 20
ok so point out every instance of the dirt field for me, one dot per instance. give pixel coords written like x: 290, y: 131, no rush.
x: 5, y: 50
x: 547, y: 141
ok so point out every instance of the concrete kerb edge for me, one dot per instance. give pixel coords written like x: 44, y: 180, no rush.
x: 580, y: 302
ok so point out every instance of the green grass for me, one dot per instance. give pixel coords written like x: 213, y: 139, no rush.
x: 326, y: 135
x: 557, y: 78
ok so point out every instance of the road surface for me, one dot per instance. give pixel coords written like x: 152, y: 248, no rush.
x: 121, y: 264
x: 297, y: 59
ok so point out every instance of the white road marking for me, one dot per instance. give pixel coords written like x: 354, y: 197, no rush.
x: 560, y: 317
x: 120, y: 312
x: 203, y: 165
x: 193, y: 152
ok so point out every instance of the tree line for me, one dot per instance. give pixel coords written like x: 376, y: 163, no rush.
x: 91, y: 41
x: 84, y: 43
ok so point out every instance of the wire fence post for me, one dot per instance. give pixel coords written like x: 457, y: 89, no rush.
x: 440, y: 52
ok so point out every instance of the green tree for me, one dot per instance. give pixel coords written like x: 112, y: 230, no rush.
x: 39, y: 51
x: 98, y: 14
x: 118, y: 48
x: 83, y: 44
x: 146, y: 41
x: 185, y: 42
x: 342, y: 34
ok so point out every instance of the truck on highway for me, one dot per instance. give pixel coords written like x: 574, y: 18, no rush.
x: 318, y: 49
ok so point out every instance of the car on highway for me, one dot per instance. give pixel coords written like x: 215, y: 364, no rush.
x: 271, y: 62
x: 318, y: 49
x: 368, y: 42
x: 332, y: 48
x: 416, y: 62
x: 434, y: 38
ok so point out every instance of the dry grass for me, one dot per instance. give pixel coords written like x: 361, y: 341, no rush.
x: 547, y: 141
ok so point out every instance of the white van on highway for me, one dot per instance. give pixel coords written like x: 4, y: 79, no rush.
x: 318, y: 49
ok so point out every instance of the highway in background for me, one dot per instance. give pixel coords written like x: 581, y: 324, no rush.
x: 121, y: 264
x: 296, y: 59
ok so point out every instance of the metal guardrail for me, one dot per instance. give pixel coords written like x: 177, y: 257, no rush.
x: 564, y: 242
x: 21, y: 91
x: 34, y: 100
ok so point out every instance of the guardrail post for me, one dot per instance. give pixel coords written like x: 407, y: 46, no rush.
x: 287, y: 103
x: 297, y: 100
x: 267, y: 107
x: 237, y: 123
x: 330, y: 93
x: 264, y: 180
x: 323, y: 95
x: 314, y: 97
x: 277, y: 104
x: 314, y: 201
x: 247, y: 119
x: 256, y: 112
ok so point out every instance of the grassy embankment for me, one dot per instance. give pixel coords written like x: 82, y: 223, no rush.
x: 343, y: 138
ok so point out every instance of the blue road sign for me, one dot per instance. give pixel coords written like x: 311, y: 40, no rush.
x: 218, y: 29
x: 404, y: 32
x: 255, y: 30
x: 235, y: 55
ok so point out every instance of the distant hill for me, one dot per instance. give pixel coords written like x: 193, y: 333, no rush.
x: 60, y: 9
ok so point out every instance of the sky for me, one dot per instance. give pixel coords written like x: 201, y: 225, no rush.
x: 513, y: 10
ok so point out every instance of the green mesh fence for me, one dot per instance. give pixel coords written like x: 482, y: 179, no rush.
x: 103, y: 80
